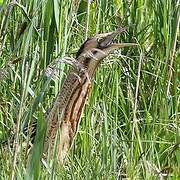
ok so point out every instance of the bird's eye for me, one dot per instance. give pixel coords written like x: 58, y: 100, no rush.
x: 100, y: 40
x: 94, y: 52
x: 104, y: 42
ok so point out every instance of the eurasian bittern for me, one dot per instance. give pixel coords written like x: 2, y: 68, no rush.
x: 64, y: 116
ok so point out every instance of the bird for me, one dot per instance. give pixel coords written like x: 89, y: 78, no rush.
x: 64, y: 115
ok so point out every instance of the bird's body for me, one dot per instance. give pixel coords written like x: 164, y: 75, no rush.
x: 64, y: 117
x: 66, y: 111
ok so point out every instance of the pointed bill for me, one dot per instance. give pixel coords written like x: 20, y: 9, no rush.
x: 122, y: 45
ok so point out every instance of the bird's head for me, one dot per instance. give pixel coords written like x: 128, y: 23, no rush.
x: 93, y: 50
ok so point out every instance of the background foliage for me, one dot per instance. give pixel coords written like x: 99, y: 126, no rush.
x: 130, y: 126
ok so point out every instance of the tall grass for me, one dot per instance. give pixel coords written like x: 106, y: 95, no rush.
x: 131, y: 124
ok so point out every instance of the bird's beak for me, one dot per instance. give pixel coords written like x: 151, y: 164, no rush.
x: 122, y: 45
x: 107, y: 41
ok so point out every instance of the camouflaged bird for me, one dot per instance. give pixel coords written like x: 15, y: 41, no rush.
x: 65, y: 114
